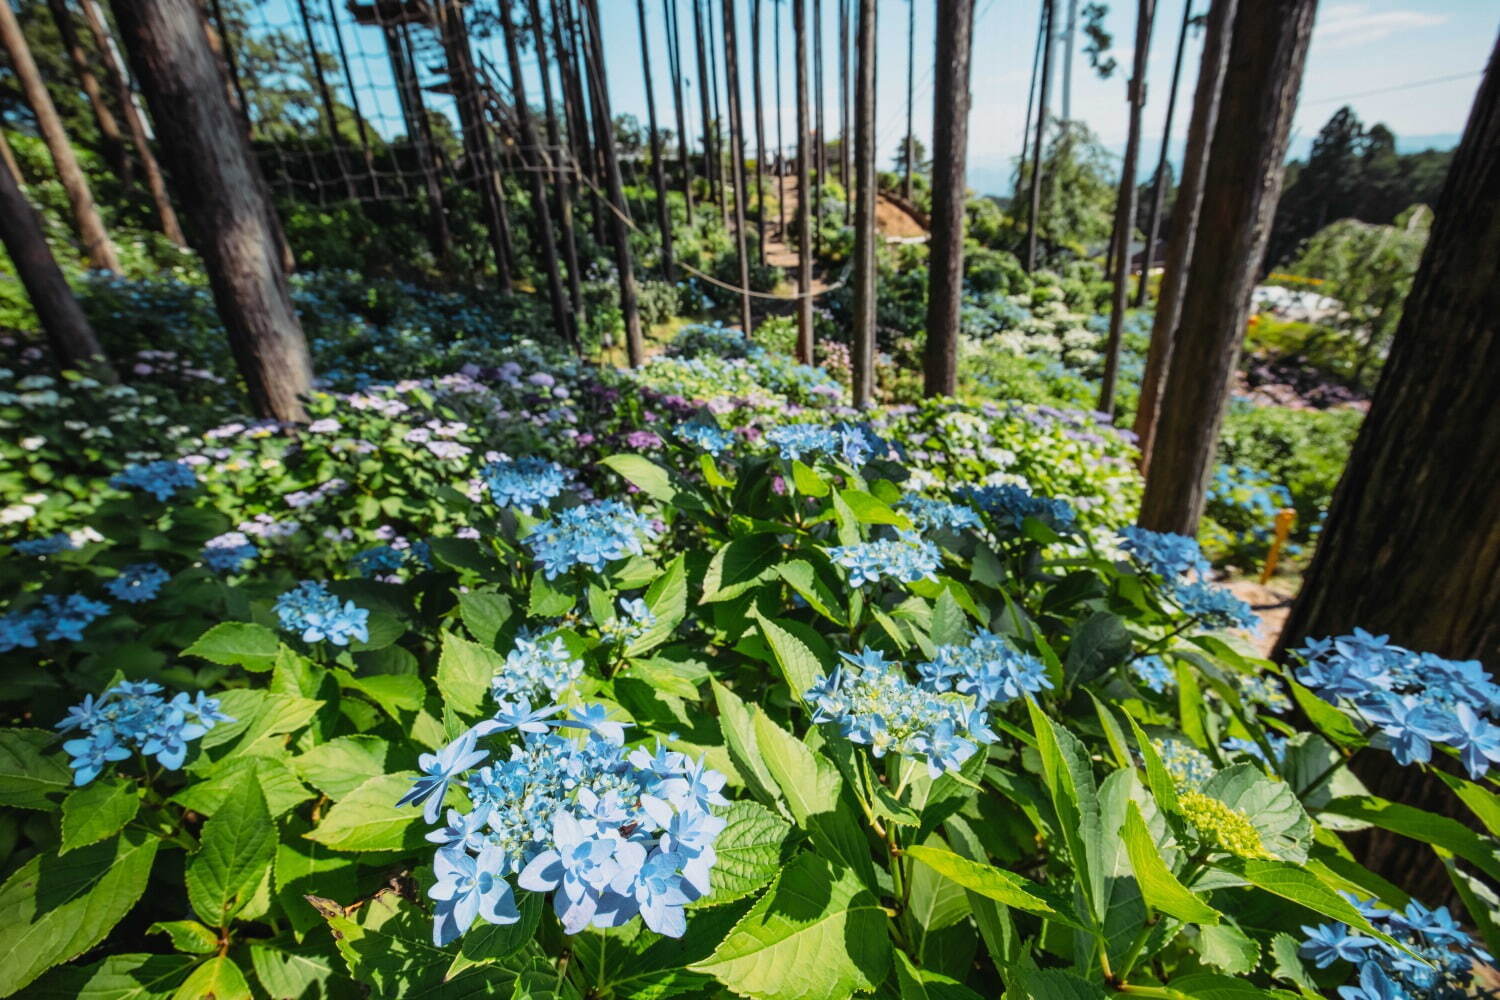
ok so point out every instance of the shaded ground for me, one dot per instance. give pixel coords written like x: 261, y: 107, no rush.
x: 892, y: 221
x: 1271, y: 602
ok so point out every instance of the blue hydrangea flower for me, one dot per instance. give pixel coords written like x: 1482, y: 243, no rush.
x: 1329, y: 943
x: 1214, y: 606
x: 160, y: 479
x: 137, y: 583
x: 526, y: 483
x: 1011, y: 505
x: 20, y: 629
x: 705, y: 437
x: 1437, y: 959
x: 988, y: 667
x: 382, y: 560
x: 1188, y: 766
x: 855, y: 444
x: 1476, y: 739
x: 49, y: 546
x: 633, y: 621
x: 1154, y: 673
x: 437, y: 770
x: 591, y: 535
x: 133, y: 716
x: 66, y: 616
x: 316, y: 614
x: 938, y: 515
x: 229, y: 552
x: 536, y: 669
x: 905, y: 558
x: 1167, y: 555
x: 470, y: 886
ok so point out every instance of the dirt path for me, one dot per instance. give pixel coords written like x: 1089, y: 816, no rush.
x: 891, y: 221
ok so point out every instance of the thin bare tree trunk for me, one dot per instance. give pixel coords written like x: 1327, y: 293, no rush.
x: 219, y: 181
x: 1159, y: 180
x: 705, y: 102
x: 1070, y: 29
x: 780, y: 146
x: 604, y: 136
x: 1036, y: 62
x: 109, y: 127
x: 911, y: 63
x: 760, y: 134
x: 1201, y: 125
x: 737, y: 157
x: 674, y: 51
x: 722, y: 168
x: 8, y: 155
x: 864, y: 215
x: 844, y: 137
x: 97, y: 247
x: 1240, y: 190
x: 663, y: 211
x: 560, y: 177
x: 950, y: 142
x: 68, y: 332
x: 1039, y: 152
x: 804, y: 182
x: 1125, y: 206
x: 325, y: 98
x: 820, y: 151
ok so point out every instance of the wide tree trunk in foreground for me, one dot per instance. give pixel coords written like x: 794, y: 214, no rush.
x: 1159, y: 179
x: 864, y: 207
x: 68, y: 332
x: 96, y: 245
x: 1216, y: 36
x: 737, y: 157
x: 804, y: 184
x: 1125, y: 205
x: 219, y: 181
x: 950, y: 143
x: 1241, y: 186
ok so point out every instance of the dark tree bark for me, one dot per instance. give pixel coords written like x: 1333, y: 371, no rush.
x: 112, y: 138
x: 1036, y: 62
x: 760, y: 133
x: 737, y: 157
x: 674, y: 52
x: 96, y: 245
x: 68, y: 332
x: 325, y: 97
x: 1201, y: 124
x: 911, y: 62
x: 658, y: 177
x: 845, y: 167
x: 419, y: 134
x: 218, y: 179
x: 780, y: 146
x: 604, y: 137
x: 820, y: 151
x: 7, y: 155
x: 574, y: 110
x: 804, y: 183
x: 705, y: 103
x: 864, y: 214
x: 1070, y: 29
x: 1039, y: 152
x: 720, y: 166
x: 560, y: 177
x: 1159, y: 179
x: 541, y: 210
x: 950, y: 146
x: 359, y: 117
x: 1125, y: 206
x: 1240, y: 189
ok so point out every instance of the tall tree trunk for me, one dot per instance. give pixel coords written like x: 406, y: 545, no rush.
x: 540, y: 208
x: 418, y: 134
x: 1240, y: 189
x: 1411, y: 546
x: 559, y: 176
x: 737, y: 156
x: 97, y: 247
x: 1159, y: 179
x: 780, y: 146
x: 1070, y: 30
x: 911, y: 63
x: 760, y: 134
x: 325, y: 97
x: 804, y: 183
x: 68, y: 332
x: 1039, y: 151
x: 864, y: 214
x: 1125, y: 206
x: 110, y: 135
x: 219, y: 180
x: 663, y: 210
x: 574, y: 110
x: 844, y: 112
x: 720, y: 166
x: 1036, y: 62
x: 359, y: 117
x: 820, y: 151
x: 594, y: 163
x: 674, y: 51
x: 950, y: 144
x: 604, y: 137
x: 705, y: 103
x: 1216, y: 37
x: 7, y: 155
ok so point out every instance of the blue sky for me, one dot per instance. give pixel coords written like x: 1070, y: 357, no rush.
x: 1413, y: 64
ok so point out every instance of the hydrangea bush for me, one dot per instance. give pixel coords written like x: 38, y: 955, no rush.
x: 533, y: 680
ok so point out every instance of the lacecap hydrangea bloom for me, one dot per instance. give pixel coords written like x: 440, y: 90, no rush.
x: 705, y: 437
x: 525, y: 483
x: 60, y: 617
x: 535, y: 670
x: 988, y: 668
x: 1011, y: 505
x: 905, y: 558
x: 1189, y: 767
x: 1213, y: 606
x: 1154, y: 673
x: 591, y: 535
x: 229, y: 552
x: 855, y: 444
x: 1167, y: 555
x: 135, y: 716
x: 137, y: 583
x: 611, y: 834
x: 873, y: 703
x: 49, y: 546
x: 633, y: 621
x: 314, y: 613
x: 1439, y: 962
x: 160, y: 479
x: 938, y: 515
x: 1408, y: 700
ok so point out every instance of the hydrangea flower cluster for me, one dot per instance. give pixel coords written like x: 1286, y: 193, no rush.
x: 161, y: 479
x: 1189, y: 767
x: 1411, y: 700
x: 535, y: 670
x: 938, y: 515
x: 1180, y: 563
x: 874, y: 704
x: 988, y: 668
x: 906, y: 558
x: 706, y: 437
x: 229, y: 552
x: 1265, y: 689
x: 60, y: 617
x: 49, y: 546
x: 1443, y: 965
x: 138, y: 583
x: 856, y: 444
x: 134, y: 716
x: 633, y: 621
x: 1011, y: 505
x: 611, y: 834
x: 1154, y: 673
x: 1167, y: 555
x: 383, y: 562
x: 310, y: 610
x: 1214, y: 606
x: 591, y: 535
x: 1223, y: 826
x: 525, y: 483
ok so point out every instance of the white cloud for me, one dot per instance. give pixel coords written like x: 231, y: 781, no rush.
x: 1349, y: 25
